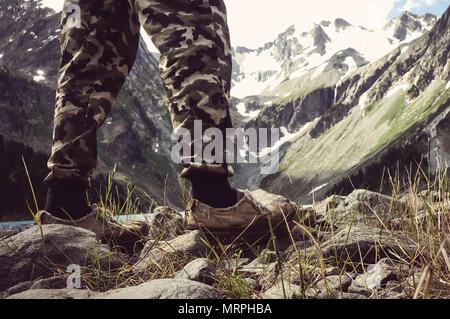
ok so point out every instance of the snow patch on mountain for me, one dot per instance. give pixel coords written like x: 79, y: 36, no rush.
x: 56, y: 5
x: 363, y: 99
x: 40, y: 76
x: 397, y: 88
x: 241, y: 109
x: 339, y: 47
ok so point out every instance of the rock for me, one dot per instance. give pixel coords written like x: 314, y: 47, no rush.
x: 50, y: 283
x: 27, y: 256
x: 335, y: 284
x: 331, y: 271
x: 55, y: 294
x: 168, y: 221
x: 323, y: 209
x: 266, y: 274
x: 348, y: 295
x: 361, y: 290
x: 253, y: 284
x: 389, y: 294
x: 20, y: 287
x: 334, y: 295
x: 256, y: 267
x: 364, y: 207
x: 156, y: 253
x: 394, y: 285
x: 283, y: 290
x: 268, y: 256
x: 234, y: 264
x: 362, y: 242
x: 377, y: 275
x: 299, y: 236
x: 155, y: 289
x: 59, y: 282
x: 164, y: 289
x: 201, y: 270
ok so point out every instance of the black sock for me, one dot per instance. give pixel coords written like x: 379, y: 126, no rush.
x: 213, y: 190
x: 67, y: 197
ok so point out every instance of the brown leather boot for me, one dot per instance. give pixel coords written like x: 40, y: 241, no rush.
x: 104, y: 225
x: 251, y: 217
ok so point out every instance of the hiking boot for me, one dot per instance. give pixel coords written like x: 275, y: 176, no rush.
x: 250, y: 218
x: 104, y: 225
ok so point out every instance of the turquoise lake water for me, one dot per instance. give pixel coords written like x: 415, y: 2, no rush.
x: 23, y: 225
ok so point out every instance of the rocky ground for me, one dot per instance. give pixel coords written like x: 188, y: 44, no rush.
x: 365, y: 245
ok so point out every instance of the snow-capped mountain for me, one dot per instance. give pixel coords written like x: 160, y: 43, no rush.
x: 341, y: 128
x: 323, y: 53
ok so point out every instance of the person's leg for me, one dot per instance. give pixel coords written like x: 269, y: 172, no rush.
x: 96, y: 58
x: 195, y: 64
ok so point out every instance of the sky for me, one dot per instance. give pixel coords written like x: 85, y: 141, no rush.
x: 255, y: 22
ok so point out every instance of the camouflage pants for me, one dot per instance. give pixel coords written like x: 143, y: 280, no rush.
x: 195, y: 64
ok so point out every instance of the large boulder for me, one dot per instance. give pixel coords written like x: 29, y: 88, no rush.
x: 154, y: 289
x: 359, y: 243
x: 283, y: 289
x: 66, y: 293
x: 200, y: 269
x: 378, y: 275
x: 190, y: 244
x: 361, y: 207
x: 164, y: 289
x: 166, y: 223
x: 41, y: 252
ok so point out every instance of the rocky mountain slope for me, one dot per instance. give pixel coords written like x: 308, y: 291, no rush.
x: 355, y: 125
x: 326, y: 87
x: 136, y: 136
x: 362, y: 246
x: 322, y: 54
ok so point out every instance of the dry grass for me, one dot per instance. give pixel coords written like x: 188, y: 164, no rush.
x: 423, y: 272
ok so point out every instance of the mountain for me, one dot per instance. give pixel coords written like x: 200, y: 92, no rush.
x: 408, y: 26
x: 343, y: 133
x: 136, y: 135
x: 319, y: 55
x: 350, y: 102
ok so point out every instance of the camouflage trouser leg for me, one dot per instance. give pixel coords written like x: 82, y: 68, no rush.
x: 195, y: 64
x: 97, y: 56
x: 193, y: 40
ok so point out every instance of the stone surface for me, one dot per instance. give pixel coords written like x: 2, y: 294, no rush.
x: 50, y: 283
x: 164, y: 289
x: 365, y: 207
x: 166, y: 222
x: 28, y: 256
x: 256, y: 267
x: 253, y: 284
x: 363, y: 243
x: 59, y: 282
x: 234, y: 264
x: 54, y: 294
x: 283, y: 290
x: 20, y: 287
x: 335, y: 284
x: 348, y: 295
x: 157, y: 252
x: 377, y: 275
x: 361, y: 290
x: 200, y: 269
x: 155, y: 289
